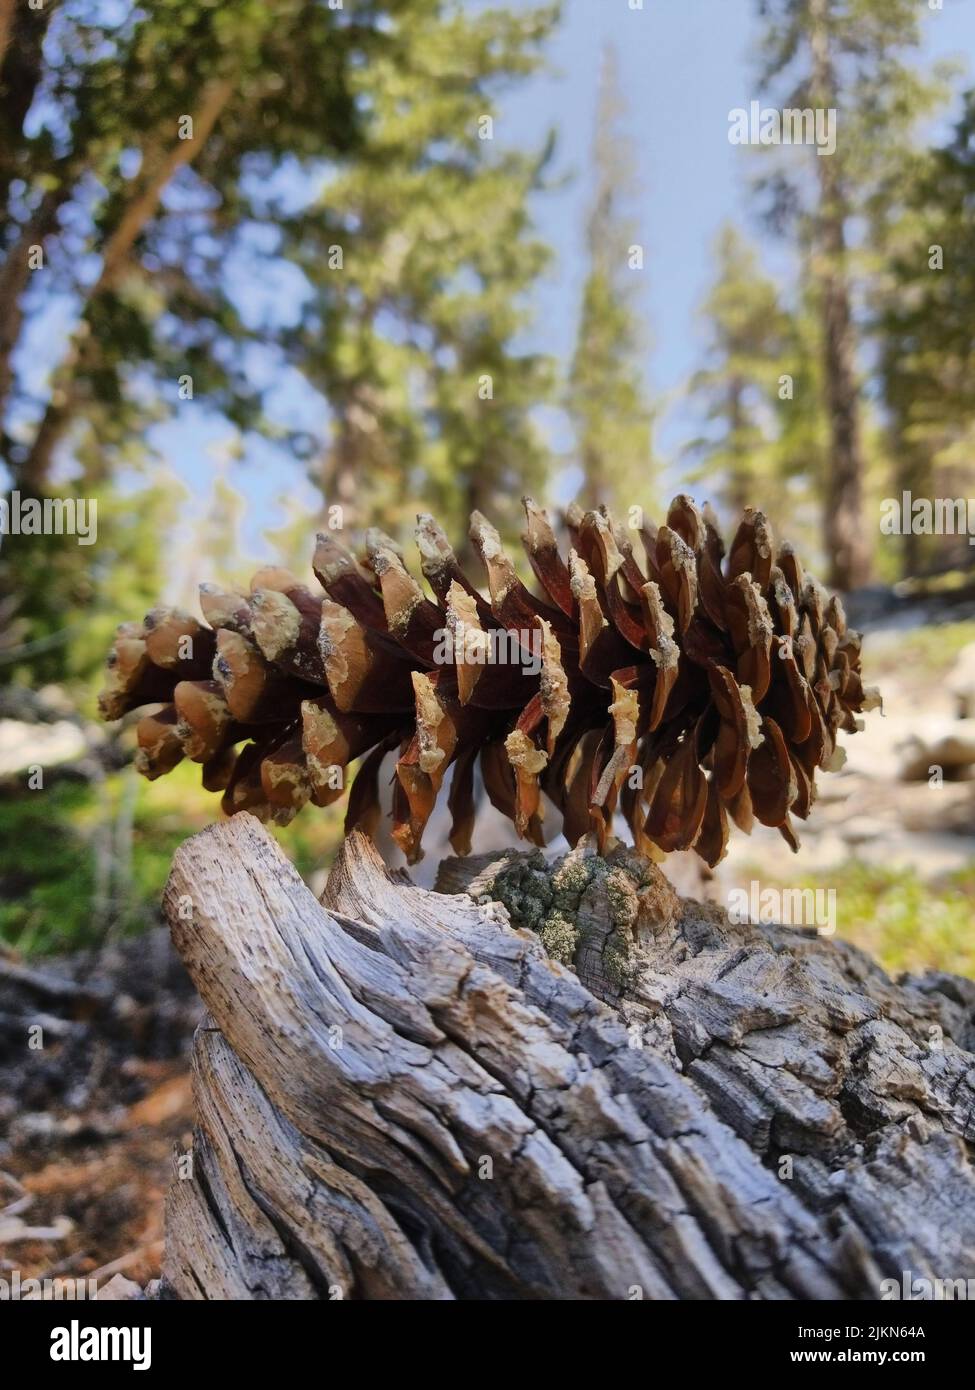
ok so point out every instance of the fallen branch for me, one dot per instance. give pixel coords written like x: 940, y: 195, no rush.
x: 402, y: 1096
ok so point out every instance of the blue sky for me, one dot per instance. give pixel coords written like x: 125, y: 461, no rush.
x: 684, y: 64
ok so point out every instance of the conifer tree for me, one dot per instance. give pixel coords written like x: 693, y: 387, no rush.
x: 924, y: 312
x: 851, y: 57
x: 748, y: 334
x: 156, y: 166
x: 418, y: 256
x: 607, y: 397
x: 128, y: 135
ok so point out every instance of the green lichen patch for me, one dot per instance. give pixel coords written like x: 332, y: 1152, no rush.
x: 582, y: 897
x: 524, y: 888
x: 559, y: 936
x: 545, y: 899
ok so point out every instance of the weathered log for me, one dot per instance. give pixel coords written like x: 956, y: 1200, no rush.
x: 402, y: 1094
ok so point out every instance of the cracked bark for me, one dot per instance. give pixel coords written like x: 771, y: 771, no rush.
x: 402, y: 1095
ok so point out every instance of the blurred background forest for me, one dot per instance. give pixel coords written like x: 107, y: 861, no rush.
x: 259, y: 258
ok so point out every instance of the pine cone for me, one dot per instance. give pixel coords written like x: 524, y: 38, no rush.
x: 703, y: 689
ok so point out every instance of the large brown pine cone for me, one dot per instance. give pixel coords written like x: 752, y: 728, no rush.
x: 702, y: 688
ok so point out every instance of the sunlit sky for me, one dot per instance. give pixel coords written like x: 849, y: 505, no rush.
x: 684, y: 64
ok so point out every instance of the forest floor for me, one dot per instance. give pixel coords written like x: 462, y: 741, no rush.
x: 94, y: 1108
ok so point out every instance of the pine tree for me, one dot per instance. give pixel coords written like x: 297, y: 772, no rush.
x: 174, y: 97
x: 607, y: 399
x: 114, y: 192
x: 748, y: 347
x: 418, y: 256
x: 113, y: 184
x: 849, y: 56
x: 924, y: 312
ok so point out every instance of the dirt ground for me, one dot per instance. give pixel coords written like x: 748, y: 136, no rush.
x: 90, y: 1120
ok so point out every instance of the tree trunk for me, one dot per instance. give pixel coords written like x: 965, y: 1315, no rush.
x: 14, y: 277
x: 401, y: 1096
x: 845, y: 531
x: 8, y: 11
x: 740, y: 480
x: 163, y: 161
x: 912, y: 473
x: 342, y: 478
x: 480, y: 494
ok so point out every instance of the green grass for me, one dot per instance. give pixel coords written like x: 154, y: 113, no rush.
x: 931, y: 651
x: 49, y: 851
x: 47, y: 872
x: 899, y: 919
x: 49, y: 846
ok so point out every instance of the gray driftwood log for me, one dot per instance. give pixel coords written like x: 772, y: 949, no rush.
x: 404, y: 1094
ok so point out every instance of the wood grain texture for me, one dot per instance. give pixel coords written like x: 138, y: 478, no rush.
x: 402, y: 1095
